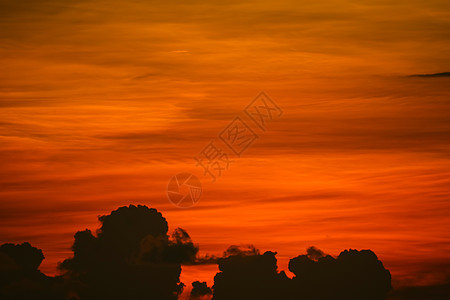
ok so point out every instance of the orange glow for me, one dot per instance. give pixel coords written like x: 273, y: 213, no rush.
x: 102, y: 104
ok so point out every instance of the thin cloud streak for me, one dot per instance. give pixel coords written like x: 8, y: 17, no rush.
x: 98, y: 113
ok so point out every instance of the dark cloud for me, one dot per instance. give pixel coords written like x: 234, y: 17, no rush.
x: 352, y: 275
x: 20, y: 277
x: 314, y: 253
x: 131, y: 257
x: 443, y: 74
x: 27, y: 257
x: 233, y: 250
x: 200, y: 290
x: 250, y: 275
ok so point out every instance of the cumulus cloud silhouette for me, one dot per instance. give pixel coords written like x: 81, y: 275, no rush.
x: 200, y: 291
x: 247, y: 274
x: 352, y: 275
x: 25, y: 256
x: 132, y: 257
x: 314, y: 253
x: 20, y: 277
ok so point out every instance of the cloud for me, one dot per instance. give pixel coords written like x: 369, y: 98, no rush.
x: 443, y: 74
x: 130, y: 256
x: 352, y: 275
x: 314, y: 253
x: 200, y: 291
x: 20, y: 277
x: 250, y: 276
x: 27, y: 257
x: 233, y: 250
x: 78, y: 123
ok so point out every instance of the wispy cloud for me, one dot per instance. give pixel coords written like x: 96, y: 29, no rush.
x: 101, y: 104
x: 443, y: 74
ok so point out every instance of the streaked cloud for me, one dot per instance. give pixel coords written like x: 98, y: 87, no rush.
x: 102, y: 102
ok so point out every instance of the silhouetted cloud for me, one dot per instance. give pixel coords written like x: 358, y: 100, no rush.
x: 314, y: 253
x: 200, y: 291
x: 25, y: 256
x: 352, y: 275
x: 233, y: 250
x: 131, y: 257
x: 250, y: 275
x: 20, y: 277
x: 443, y: 74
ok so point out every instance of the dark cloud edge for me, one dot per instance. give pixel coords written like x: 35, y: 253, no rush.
x: 432, y: 75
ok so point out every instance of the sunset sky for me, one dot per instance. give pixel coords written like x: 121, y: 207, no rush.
x: 102, y: 102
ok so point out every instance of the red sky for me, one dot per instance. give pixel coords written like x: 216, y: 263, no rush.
x: 102, y: 102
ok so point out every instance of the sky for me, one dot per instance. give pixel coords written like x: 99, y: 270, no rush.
x: 102, y: 102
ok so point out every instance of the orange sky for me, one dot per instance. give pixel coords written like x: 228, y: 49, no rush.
x: 101, y: 102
